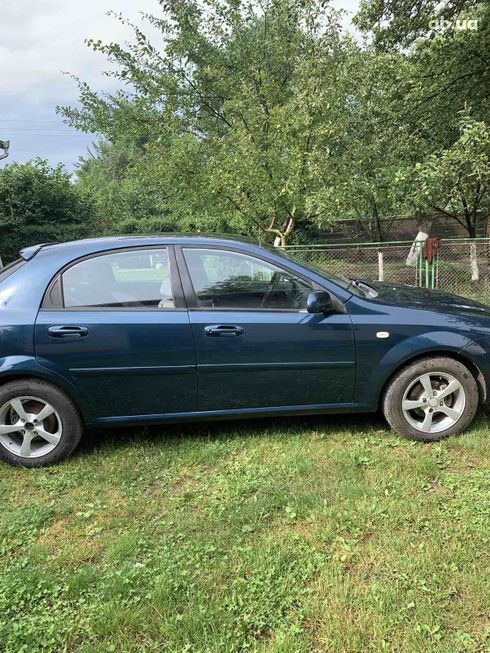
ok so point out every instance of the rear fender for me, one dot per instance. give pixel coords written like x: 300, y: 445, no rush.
x: 21, y: 367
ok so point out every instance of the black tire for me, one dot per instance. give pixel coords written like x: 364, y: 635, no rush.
x: 403, y: 380
x: 69, y: 416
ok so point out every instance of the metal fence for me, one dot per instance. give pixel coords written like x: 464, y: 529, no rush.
x: 459, y: 266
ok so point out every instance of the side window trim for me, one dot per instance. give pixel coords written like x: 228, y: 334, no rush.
x: 191, y: 296
x: 175, y: 281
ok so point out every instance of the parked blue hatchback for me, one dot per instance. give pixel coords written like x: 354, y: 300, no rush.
x: 135, y: 330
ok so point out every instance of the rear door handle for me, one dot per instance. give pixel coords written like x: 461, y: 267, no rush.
x: 223, y: 330
x: 67, y: 331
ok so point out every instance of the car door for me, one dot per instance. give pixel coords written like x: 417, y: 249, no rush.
x: 256, y: 345
x: 116, y: 325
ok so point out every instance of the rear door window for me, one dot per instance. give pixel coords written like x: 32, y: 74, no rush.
x: 129, y: 279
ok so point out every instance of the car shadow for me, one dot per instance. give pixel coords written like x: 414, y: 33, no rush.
x: 351, y: 425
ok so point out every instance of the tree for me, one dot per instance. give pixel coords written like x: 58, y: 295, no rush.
x: 125, y: 198
x: 450, y: 69
x: 40, y: 203
x: 242, y: 108
x: 374, y: 144
x: 456, y: 180
x: 448, y: 77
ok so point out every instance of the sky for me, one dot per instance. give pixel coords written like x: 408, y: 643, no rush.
x: 39, y: 41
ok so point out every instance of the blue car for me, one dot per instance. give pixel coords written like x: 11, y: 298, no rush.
x: 142, y: 330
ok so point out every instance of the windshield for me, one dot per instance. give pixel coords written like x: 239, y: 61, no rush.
x: 343, y: 282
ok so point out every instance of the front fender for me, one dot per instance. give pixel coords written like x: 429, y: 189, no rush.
x: 478, y: 352
x: 18, y: 367
x: 373, y: 374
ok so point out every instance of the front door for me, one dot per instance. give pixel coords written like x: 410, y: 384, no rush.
x: 116, y: 326
x: 256, y: 346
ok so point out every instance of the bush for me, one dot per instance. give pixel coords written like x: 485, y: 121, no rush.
x: 39, y: 203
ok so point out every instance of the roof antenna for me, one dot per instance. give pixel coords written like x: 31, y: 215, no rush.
x: 4, y: 145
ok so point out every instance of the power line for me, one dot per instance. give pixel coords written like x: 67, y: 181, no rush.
x: 53, y: 122
x: 32, y: 127
x: 15, y: 132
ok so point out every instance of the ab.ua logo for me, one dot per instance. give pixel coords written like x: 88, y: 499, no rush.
x: 442, y: 24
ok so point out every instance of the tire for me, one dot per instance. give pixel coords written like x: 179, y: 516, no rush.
x: 418, y: 403
x: 27, y: 441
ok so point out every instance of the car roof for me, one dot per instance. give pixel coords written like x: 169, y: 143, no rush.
x: 116, y: 242
x: 48, y: 259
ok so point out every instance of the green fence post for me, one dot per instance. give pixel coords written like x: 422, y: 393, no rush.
x: 420, y: 263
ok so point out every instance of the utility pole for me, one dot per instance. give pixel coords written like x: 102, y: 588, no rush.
x: 4, y: 145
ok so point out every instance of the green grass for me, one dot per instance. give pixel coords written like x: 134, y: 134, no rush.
x: 300, y: 535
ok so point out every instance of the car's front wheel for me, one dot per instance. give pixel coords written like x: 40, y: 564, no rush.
x: 39, y: 424
x: 431, y: 399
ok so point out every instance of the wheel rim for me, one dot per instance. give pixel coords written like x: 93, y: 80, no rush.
x: 29, y: 427
x: 434, y: 402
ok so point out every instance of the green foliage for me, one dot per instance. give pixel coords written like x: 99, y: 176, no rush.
x: 373, y: 145
x: 126, y: 197
x: 39, y: 203
x: 242, y: 106
x: 396, y: 23
x: 265, y: 119
x: 456, y: 180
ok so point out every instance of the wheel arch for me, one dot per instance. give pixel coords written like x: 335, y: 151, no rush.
x: 31, y: 375
x: 458, y: 356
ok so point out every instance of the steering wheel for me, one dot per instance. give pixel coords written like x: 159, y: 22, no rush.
x: 270, y: 289
x: 297, y: 298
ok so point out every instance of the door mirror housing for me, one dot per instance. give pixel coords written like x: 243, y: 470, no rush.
x: 319, y: 301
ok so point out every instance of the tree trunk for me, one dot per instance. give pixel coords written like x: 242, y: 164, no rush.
x: 475, y: 272
x: 377, y: 219
x: 424, y: 224
x: 280, y: 240
x: 381, y: 266
x: 414, y: 253
x: 281, y: 235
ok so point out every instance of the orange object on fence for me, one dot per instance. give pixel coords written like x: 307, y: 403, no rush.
x: 431, y: 246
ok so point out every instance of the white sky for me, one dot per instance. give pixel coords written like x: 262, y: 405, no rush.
x: 41, y: 39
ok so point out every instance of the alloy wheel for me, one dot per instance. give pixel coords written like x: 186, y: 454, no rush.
x: 434, y: 402
x: 29, y: 427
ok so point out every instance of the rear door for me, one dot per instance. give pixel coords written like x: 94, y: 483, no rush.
x: 256, y: 345
x: 116, y: 325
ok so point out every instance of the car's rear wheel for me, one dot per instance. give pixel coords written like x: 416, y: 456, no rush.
x: 431, y: 399
x: 39, y: 424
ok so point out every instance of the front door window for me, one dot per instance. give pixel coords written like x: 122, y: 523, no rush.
x: 231, y: 280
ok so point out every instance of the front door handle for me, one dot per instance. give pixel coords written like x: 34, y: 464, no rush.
x: 223, y: 330
x: 67, y: 331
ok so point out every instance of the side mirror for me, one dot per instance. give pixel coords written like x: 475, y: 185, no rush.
x: 319, y: 301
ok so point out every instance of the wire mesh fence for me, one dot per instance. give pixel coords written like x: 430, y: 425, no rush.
x: 459, y: 266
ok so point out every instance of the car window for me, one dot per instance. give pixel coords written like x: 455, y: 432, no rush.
x: 130, y: 279
x: 225, y: 279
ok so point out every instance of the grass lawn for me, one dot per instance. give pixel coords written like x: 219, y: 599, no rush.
x: 298, y: 535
